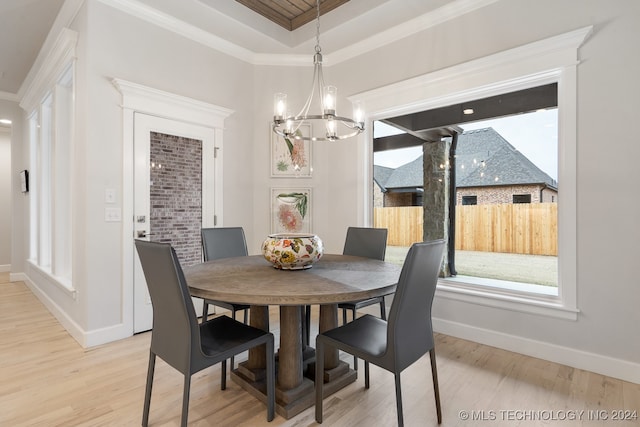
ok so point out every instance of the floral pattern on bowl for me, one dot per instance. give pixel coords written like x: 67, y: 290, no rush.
x: 292, y: 251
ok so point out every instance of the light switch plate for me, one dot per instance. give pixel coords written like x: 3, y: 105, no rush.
x: 112, y: 214
x: 109, y: 195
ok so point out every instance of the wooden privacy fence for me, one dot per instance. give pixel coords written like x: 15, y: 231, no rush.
x: 526, y: 228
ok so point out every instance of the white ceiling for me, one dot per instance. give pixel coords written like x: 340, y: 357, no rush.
x: 24, y: 25
x: 230, y: 27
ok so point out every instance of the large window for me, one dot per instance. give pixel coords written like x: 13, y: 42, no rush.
x: 546, y: 62
x: 50, y: 127
x: 505, y: 227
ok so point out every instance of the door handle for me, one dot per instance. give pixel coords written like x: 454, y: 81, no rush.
x: 142, y: 233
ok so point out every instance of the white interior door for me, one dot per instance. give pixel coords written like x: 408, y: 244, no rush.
x: 187, y: 154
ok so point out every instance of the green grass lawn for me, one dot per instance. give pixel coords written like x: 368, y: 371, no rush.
x: 537, y: 269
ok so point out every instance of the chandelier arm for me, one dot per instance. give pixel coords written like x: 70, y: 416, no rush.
x: 288, y: 126
x: 307, y: 104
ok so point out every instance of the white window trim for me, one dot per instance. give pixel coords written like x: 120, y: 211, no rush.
x: 551, y: 60
x: 62, y: 283
x: 57, y: 65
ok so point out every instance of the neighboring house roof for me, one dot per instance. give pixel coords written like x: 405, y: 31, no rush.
x: 380, y: 175
x: 481, y: 156
x: 408, y: 175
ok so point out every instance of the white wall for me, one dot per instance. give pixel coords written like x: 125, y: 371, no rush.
x: 111, y: 45
x: 333, y: 206
x: 608, y: 285
x: 605, y: 337
x: 142, y: 53
x: 17, y: 235
x: 5, y: 198
x: 116, y: 45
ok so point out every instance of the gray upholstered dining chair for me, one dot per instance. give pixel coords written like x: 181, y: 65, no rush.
x: 364, y: 242
x: 223, y: 242
x: 178, y: 339
x: 397, y: 343
x: 369, y: 243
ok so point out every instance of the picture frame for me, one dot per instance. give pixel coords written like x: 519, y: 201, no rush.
x: 291, y: 158
x: 291, y: 210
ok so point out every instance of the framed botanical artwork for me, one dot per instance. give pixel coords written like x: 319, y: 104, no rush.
x: 291, y: 157
x: 290, y: 210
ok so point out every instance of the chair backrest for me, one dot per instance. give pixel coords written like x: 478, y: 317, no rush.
x: 175, y: 336
x: 223, y: 242
x: 366, y: 242
x: 410, y: 333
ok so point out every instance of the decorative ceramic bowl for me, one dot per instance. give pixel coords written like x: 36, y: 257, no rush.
x: 292, y: 251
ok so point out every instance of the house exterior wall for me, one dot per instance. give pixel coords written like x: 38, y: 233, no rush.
x: 378, y: 197
x: 549, y: 196
x: 485, y: 195
x: 392, y: 200
x: 504, y: 194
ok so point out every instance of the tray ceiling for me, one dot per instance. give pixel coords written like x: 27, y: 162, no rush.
x: 291, y: 14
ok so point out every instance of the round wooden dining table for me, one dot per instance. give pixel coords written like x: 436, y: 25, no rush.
x: 254, y: 281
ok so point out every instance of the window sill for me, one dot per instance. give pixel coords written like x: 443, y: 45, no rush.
x: 61, y: 283
x: 526, y: 298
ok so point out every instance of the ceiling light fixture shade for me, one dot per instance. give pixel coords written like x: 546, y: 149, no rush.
x: 336, y: 127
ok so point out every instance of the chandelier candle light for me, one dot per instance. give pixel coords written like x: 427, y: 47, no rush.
x: 336, y: 127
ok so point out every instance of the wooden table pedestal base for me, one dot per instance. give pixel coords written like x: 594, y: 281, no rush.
x: 290, y: 403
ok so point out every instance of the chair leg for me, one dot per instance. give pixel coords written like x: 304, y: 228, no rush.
x: 185, y: 400
x: 399, y: 400
x: 307, y: 318
x: 366, y: 374
x: 233, y: 314
x: 355, y: 359
x: 147, y: 393
x: 436, y: 388
x: 344, y: 316
x: 246, y: 316
x: 223, y: 378
x: 205, y: 311
x: 383, y: 309
x: 319, y: 379
x: 271, y: 381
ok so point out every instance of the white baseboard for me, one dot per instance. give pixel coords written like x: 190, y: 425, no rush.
x: 605, y: 365
x: 4, y: 268
x: 105, y: 335
x: 17, y: 277
x: 84, y: 338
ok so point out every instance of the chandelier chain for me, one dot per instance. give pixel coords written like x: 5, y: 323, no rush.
x: 318, y: 48
x: 336, y: 127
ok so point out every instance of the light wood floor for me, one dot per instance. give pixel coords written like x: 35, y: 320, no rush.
x: 47, y: 379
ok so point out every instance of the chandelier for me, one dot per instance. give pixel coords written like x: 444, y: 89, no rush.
x: 336, y: 127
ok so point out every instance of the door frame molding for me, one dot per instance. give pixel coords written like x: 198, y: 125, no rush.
x: 137, y: 98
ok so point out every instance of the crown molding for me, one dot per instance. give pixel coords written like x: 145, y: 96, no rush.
x: 445, y: 13
x: 66, y: 15
x: 423, y: 22
x: 168, y: 22
x: 8, y: 96
x: 58, y: 58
